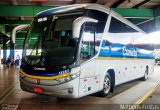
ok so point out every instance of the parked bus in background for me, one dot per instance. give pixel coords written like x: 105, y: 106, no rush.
x: 76, y: 50
x: 157, y: 56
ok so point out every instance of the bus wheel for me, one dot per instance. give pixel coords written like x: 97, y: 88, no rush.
x: 106, y: 86
x: 145, y: 77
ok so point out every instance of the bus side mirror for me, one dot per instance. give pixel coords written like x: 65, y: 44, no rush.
x: 76, y: 27
x: 18, y: 28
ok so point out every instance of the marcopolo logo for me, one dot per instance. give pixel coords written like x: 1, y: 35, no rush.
x: 40, y: 69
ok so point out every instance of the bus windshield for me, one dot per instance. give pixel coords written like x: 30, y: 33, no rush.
x: 50, y: 41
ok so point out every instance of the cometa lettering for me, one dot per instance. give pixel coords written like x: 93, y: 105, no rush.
x: 41, y: 69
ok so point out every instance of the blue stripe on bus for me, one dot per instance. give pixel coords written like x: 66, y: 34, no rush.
x: 124, y: 51
x: 57, y: 9
x: 52, y: 10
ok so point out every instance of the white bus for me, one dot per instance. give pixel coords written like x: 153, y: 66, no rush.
x: 76, y: 50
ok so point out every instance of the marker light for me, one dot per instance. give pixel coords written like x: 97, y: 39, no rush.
x: 38, y: 90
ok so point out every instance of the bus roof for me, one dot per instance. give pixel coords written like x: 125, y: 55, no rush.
x: 70, y: 7
x: 102, y: 8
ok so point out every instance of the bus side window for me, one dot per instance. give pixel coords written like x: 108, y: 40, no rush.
x: 88, y: 44
x: 121, y: 32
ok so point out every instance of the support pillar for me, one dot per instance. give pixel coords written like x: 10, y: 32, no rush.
x: 12, y: 49
x: 157, y: 18
x: 4, y: 52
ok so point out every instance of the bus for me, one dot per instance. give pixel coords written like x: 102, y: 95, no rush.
x: 157, y: 56
x: 76, y: 50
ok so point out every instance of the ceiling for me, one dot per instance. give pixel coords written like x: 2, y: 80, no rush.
x: 109, y: 3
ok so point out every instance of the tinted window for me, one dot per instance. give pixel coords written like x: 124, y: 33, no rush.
x: 120, y: 33
x: 99, y: 27
x: 100, y: 16
x: 88, y: 44
x: 117, y: 26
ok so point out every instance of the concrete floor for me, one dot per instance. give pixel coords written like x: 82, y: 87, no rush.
x: 13, y: 98
x: 155, y: 97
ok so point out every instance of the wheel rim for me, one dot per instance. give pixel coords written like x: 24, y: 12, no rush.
x: 107, y: 85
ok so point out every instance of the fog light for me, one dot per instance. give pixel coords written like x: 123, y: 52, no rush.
x: 70, y: 90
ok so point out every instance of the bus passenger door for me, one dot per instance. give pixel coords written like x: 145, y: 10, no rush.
x: 88, y: 78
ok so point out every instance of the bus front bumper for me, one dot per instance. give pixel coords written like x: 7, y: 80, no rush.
x: 63, y: 90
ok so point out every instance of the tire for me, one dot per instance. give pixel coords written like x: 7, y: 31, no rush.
x: 106, y: 86
x: 145, y: 77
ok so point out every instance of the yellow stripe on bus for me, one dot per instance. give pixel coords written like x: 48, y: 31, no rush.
x: 113, y: 58
x: 45, y: 77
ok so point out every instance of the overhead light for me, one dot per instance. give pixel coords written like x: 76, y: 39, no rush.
x: 7, y: 41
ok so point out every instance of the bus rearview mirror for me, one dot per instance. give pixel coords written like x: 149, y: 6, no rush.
x: 77, y: 24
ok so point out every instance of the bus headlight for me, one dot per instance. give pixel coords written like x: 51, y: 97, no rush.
x: 68, y: 78
x: 61, y: 80
x: 75, y: 75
